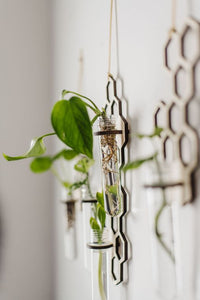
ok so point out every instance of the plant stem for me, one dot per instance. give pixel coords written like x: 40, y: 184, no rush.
x: 94, y: 119
x: 88, y: 185
x: 93, y: 109
x: 56, y: 175
x: 48, y: 134
x: 158, y: 215
x: 101, y: 287
x: 64, y: 92
x: 158, y: 234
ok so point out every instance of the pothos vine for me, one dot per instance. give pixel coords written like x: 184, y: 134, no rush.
x: 72, y: 125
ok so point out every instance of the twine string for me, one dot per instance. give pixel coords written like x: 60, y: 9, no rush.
x: 110, y: 38
x: 80, y: 75
x: 173, y: 18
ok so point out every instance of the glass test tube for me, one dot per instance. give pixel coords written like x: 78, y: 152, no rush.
x: 100, y: 247
x: 164, y: 196
x: 110, y: 165
x: 88, y: 206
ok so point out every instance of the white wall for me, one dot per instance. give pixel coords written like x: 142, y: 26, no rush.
x: 25, y: 199
x: 143, y: 27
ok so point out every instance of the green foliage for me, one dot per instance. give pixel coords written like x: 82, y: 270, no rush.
x: 41, y: 164
x: 76, y: 185
x: 37, y: 148
x: 94, y: 224
x: 66, y: 184
x: 157, y: 132
x: 97, y: 222
x: 44, y: 163
x: 137, y: 163
x: 92, y: 105
x: 100, y: 198
x: 67, y: 154
x: 83, y: 165
x: 113, y: 189
x: 72, y: 125
x: 101, y: 214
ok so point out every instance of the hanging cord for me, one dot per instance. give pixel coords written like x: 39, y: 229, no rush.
x: 190, y: 7
x: 110, y: 38
x: 80, y: 77
x: 117, y: 39
x: 173, y: 27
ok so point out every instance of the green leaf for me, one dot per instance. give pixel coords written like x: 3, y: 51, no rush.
x: 101, y: 215
x: 67, y: 154
x: 72, y: 125
x: 113, y: 189
x: 100, y: 198
x: 94, y: 225
x: 137, y: 163
x: 157, y: 132
x: 66, y: 184
x: 37, y: 148
x: 41, y: 164
x: 83, y: 165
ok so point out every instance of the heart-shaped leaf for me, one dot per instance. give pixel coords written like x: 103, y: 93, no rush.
x: 72, y: 125
x: 41, y: 164
x: 37, y: 148
x: 67, y: 154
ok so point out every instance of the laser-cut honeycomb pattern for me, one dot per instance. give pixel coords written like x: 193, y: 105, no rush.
x: 118, y: 223
x: 177, y: 129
